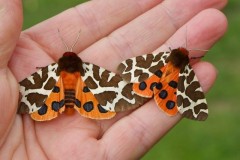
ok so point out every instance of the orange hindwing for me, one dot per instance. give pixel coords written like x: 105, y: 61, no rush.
x: 165, y: 94
x: 54, y: 104
x: 87, y: 105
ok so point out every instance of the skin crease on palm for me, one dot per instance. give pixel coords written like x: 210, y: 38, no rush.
x: 111, y: 31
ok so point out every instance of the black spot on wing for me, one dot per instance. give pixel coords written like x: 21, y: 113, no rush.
x: 61, y: 103
x: 170, y: 104
x: 154, y: 84
x: 142, y: 85
x: 159, y: 86
x: 78, y: 103
x: 56, y: 89
x: 86, y: 89
x: 158, y: 73
x: 57, y: 105
x: 88, y: 106
x: 163, y: 94
x: 43, y: 110
x: 173, y: 84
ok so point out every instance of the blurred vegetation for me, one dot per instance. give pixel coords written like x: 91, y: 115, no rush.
x: 36, y: 11
x: 218, y: 137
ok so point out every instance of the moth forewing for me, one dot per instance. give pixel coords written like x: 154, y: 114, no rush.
x: 36, y: 88
x: 158, y: 74
x: 138, y: 69
x: 112, y: 92
x: 190, y: 97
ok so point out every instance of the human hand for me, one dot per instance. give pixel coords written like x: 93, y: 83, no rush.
x: 111, y: 31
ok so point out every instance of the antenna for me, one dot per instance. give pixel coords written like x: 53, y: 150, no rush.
x: 186, y: 38
x: 74, y: 44
x: 65, y: 44
x: 194, y: 49
x: 203, y: 50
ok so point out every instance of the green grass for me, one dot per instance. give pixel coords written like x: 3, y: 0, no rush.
x: 36, y: 11
x: 218, y: 137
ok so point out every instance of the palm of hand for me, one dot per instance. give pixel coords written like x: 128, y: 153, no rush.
x: 124, y: 137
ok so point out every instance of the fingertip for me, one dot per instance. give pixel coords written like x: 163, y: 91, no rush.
x: 211, y: 25
x: 218, y: 21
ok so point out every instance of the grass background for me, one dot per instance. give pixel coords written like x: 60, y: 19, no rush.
x: 218, y: 137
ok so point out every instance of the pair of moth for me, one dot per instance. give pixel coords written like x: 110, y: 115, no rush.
x: 71, y: 84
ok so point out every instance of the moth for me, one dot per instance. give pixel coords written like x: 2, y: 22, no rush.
x: 71, y: 84
x: 168, y: 77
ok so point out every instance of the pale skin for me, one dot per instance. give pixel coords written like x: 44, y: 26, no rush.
x: 111, y: 31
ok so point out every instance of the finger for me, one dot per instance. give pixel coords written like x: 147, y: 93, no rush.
x: 145, y: 33
x: 95, y: 19
x: 10, y: 26
x: 143, y: 127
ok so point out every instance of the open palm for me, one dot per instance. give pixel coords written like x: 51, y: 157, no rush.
x: 111, y: 31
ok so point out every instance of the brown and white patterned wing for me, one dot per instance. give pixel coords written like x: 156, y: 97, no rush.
x: 191, y: 101
x: 112, y: 92
x: 138, y: 69
x: 36, y: 88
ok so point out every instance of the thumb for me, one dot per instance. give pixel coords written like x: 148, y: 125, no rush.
x: 10, y: 28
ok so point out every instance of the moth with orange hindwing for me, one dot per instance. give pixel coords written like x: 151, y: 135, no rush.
x: 71, y: 84
x: 169, y: 78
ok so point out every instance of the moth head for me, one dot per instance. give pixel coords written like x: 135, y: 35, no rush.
x: 179, y: 57
x: 70, y: 62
